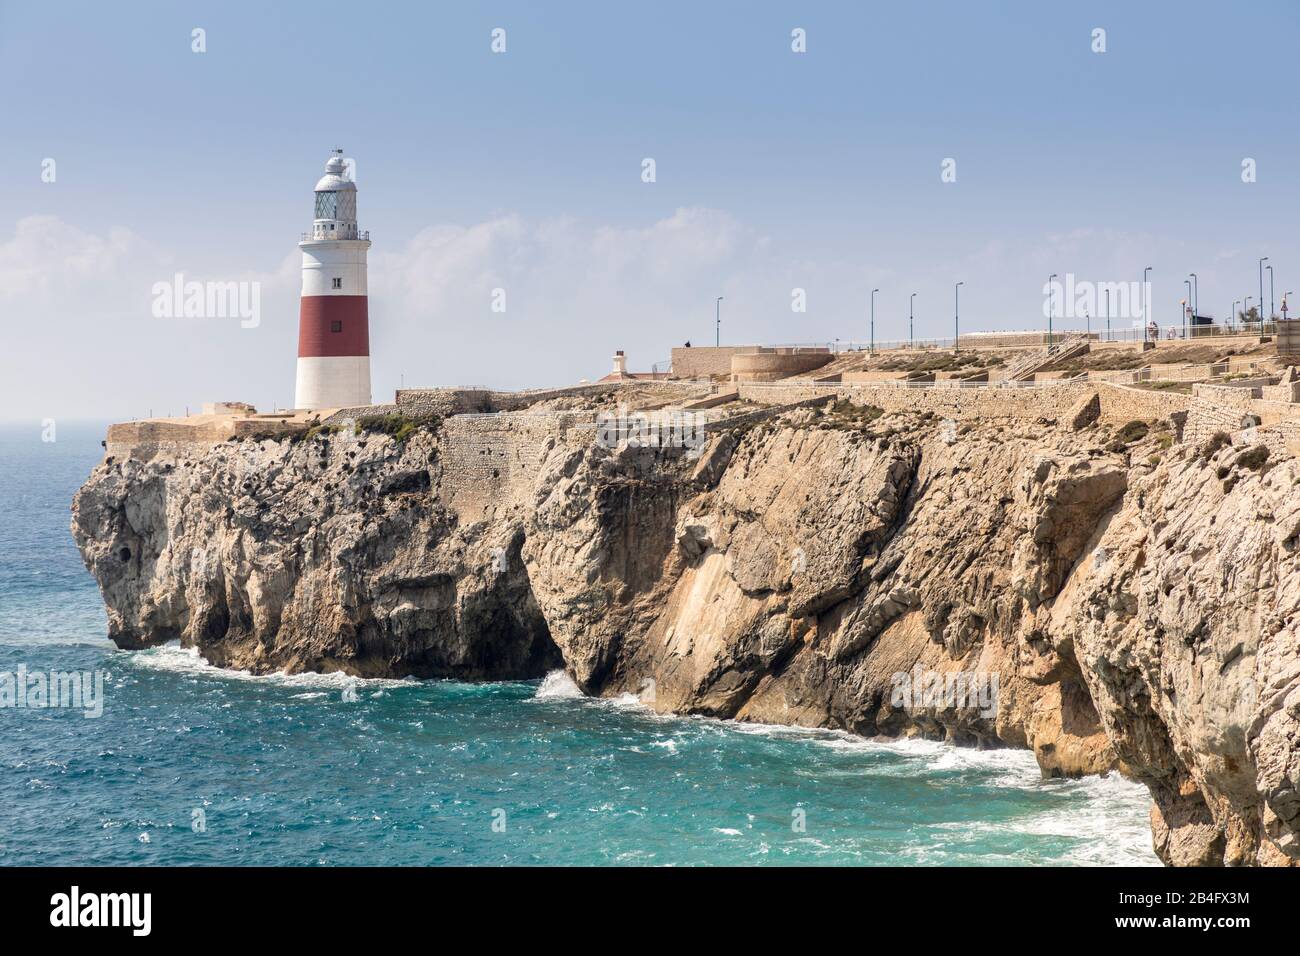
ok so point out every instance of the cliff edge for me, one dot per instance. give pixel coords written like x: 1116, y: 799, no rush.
x: 1122, y: 601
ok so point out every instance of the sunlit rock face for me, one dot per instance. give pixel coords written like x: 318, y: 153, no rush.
x: 1114, y: 603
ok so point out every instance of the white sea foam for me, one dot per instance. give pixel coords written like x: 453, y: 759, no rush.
x: 557, y: 685
x: 173, y: 658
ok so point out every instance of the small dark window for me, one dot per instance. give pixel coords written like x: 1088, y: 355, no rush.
x: 338, y: 282
x: 336, y: 326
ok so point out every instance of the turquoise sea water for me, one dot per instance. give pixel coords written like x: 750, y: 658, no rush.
x: 315, y: 769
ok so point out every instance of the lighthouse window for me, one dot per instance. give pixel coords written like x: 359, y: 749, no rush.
x: 336, y: 326
x: 338, y: 282
x: 326, y: 204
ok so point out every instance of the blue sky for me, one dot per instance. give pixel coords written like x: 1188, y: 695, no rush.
x: 775, y: 170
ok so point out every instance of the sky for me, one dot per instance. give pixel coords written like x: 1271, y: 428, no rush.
x: 523, y: 171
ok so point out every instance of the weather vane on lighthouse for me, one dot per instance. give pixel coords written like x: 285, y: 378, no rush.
x: 333, y: 317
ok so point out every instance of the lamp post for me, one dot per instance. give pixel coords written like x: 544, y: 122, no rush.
x: 911, y: 339
x: 1270, y: 292
x: 873, y: 320
x: 1146, y: 304
x: 1187, y: 305
x: 1232, y: 316
x: 1108, y: 315
x: 1196, y: 298
x: 1051, y: 305
x: 717, y: 321
x: 1245, y: 308
x: 956, y: 318
x: 1262, y: 260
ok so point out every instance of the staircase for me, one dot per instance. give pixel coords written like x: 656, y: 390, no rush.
x: 1023, y: 369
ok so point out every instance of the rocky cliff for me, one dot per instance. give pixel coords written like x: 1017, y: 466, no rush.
x: 1130, y: 600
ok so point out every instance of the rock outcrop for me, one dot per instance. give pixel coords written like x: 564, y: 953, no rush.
x: 1121, y: 605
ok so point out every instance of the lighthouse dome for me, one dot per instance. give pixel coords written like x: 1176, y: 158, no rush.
x: 334, y: 179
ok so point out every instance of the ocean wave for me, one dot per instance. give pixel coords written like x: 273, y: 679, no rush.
x: 557, y: 685
x: 187, y: 661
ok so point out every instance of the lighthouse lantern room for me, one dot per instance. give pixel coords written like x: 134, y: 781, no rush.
x: 333, y: 320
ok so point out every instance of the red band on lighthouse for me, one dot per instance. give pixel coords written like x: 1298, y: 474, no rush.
x: 333, y: 325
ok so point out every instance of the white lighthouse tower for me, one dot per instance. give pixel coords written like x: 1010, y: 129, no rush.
x: 333, y: 319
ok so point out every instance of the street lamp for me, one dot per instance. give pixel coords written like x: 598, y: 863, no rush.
x: 911, y: 339
x: 1146, y: 304
x: 956, y: 318
x: 1187, y: 305
x: 1245, y: 309
x: 1262, y: 260
x: 873, y: 320
x: 1051, y: 305
x: 1270, y: 292
x: 1232, y: 316
x: 1196, y: 297
x: 717, y: 321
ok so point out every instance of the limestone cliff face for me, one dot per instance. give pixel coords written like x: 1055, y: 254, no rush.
x: 322, y: 555
x: 1186, y: 623
x: 1135, y: 605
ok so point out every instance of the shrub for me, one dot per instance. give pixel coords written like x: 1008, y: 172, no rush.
x: 397, y: 425
x: 1254, y: 458
x: 1213, y: 444
x: 1132, y: 431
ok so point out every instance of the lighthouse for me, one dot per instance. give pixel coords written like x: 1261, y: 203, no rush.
x: 333, y: 322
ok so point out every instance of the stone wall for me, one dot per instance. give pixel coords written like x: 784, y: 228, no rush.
x: 190, y: 437
x: 446, y: 402
x: 1282, y: 392
x: 513, y: 401
x: 770, y: 365
x: 443, y: 402
x: 489, y: 460
x: 705, y: 361
x: 1288, y: 339
x: 1206, y: 418
x: 876, y: 375
x: 1119, y: 403
x: 949, y: 401
x: 1123, y: 403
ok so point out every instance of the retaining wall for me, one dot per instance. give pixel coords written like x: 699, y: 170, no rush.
x: 1121, y: 404
x: 189, y: 438
x: 769, y: 365
x: 705, y: 361
x: 490, y: 460
x: 947, y: 401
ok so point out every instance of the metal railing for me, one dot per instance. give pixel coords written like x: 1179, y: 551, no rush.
x: 322, y: 236
x: 1036, y: 338
x: 903, y: 383
x: 1172, y: 333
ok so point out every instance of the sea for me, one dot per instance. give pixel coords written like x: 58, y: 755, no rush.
x: 183, y: 763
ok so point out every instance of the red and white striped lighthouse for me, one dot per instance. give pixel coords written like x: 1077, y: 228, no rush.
x: 333, y: 323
